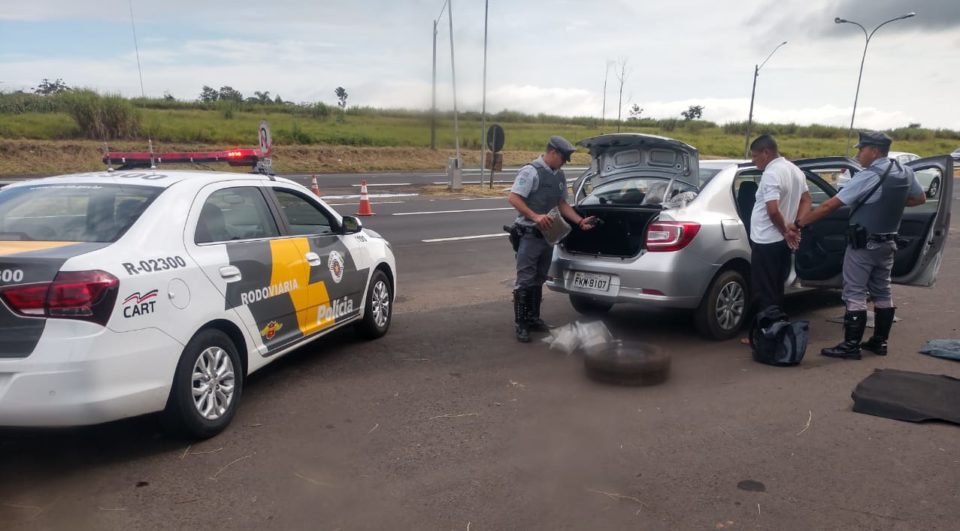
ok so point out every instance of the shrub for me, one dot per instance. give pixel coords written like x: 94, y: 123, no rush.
x: 109, y: 117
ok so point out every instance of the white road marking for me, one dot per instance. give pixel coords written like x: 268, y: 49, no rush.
x: 450, y: 211
x: 381, y: 184
x: 477, y: 237
x: 371, y: 196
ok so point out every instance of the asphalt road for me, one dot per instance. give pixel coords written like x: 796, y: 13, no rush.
x: 449, y: 423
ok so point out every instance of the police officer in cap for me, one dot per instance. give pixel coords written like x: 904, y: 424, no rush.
x: 877, y: 196
x: 539, y: 187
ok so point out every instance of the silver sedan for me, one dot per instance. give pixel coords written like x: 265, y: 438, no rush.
x: 673, y: 236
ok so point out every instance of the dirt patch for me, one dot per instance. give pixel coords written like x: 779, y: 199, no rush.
x: 32, y: 157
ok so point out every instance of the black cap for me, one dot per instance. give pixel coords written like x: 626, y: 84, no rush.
x: 562, y: 145
x: 874, y: 138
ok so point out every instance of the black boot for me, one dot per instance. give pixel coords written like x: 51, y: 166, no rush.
x: 854, y: 323
x: 882, y: 322
x: 536, y: 323
x: 521, y: 311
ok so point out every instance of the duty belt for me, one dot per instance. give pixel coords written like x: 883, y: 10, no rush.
x: 882, y: 237
x: 525, y: 229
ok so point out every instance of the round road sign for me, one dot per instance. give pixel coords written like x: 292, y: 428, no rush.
x: 495, y: 138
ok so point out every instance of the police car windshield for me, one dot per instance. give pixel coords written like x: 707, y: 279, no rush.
x: 71, y: 212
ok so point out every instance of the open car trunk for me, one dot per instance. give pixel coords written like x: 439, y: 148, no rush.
x: 621, y: 234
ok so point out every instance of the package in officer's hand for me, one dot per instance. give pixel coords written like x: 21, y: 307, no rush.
x: 558, y: 229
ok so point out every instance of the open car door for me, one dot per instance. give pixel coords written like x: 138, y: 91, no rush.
x: 925, y: 227
x: 819, y: 261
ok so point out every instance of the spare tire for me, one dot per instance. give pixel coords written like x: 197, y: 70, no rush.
x: 628, y: 363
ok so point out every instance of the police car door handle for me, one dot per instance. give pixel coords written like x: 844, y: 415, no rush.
x: 313, y: 259
x: 230, y: 273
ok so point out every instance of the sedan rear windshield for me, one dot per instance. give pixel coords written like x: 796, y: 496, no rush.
x: 636, y: 191
x: 72, y: 212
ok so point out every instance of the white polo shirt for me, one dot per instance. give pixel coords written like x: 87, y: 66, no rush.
x: 784, y: 181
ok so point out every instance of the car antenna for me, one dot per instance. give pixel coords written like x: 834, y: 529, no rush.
x: 143, y: 93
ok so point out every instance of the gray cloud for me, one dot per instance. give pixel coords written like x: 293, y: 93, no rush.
x: 932, y: 15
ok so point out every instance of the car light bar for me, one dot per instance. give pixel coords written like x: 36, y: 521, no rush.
x: 144, y: 159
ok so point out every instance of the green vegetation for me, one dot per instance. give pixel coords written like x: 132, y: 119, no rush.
x: 79, y: 114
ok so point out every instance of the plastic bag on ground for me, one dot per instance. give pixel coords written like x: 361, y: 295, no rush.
x: 590, y: 337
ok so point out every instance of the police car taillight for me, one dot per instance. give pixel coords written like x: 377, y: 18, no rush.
x: 84, y: 295
x: 666, y: 236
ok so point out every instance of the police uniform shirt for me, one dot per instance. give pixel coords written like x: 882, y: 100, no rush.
x: 528, y: 180
x: 781, y: 181
x: 864, y: 181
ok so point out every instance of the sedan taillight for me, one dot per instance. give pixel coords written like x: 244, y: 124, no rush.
x: 84, y: 295
x: 666, y: 236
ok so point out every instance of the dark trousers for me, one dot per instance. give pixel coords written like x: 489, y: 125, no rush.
x: 533, y: 261
x: 769, y: 268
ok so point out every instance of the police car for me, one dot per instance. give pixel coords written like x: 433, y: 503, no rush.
x: 130, y: 292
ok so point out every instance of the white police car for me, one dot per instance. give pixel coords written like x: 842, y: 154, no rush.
x: 124, y: 293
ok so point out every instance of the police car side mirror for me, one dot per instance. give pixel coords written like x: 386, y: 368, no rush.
x: 350, y: 225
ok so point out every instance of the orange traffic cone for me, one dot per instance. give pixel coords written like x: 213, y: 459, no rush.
x: 314, y: 187
x: 364, y: 208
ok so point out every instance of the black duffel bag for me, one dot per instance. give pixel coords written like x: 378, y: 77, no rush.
x: 776, y: 340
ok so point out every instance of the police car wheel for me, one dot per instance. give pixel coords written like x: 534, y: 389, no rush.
x: 589, y: 306
x: 724, y: 307
x: 206, y: 387
x: 378, y: 308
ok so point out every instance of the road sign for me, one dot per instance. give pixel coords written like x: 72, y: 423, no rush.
x: 495, y: 138
x: 266, y: 141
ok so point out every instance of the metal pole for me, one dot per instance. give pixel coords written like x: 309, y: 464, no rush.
x: 753, y: 92
x: 433, y: 104
x: 856, y: 95
x: 483, y: 109
x: 603, y: 112
x: 455, y: 183
x: 863, y: 59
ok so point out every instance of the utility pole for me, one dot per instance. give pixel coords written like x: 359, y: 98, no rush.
x: 455, y: 182
x: 483, y: 108
x: 756, y: 72
x: 603, y: 111
x: 433, y: 99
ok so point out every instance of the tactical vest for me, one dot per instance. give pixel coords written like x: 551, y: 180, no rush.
x: 549, y: 190
x: 883, y: 216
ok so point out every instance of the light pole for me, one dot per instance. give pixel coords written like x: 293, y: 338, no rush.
x: 856, y: 96
x: 753, y: 92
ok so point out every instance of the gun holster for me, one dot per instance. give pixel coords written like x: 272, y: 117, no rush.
x: 857, y: 236
x: 515, y: 233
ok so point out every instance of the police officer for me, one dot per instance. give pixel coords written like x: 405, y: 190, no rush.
x: 539, y: 187
x: 872, y: 241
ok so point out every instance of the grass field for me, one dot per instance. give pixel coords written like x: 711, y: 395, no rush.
x: 50, y: 140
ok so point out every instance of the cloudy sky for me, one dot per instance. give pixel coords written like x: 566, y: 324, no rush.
x: 542, y: 56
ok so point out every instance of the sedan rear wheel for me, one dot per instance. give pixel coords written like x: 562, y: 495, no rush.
x: 206, y: 387
x: 934, y: 189
x: 724, y: 308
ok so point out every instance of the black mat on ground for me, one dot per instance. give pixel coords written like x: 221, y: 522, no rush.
x: 911, y: 396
